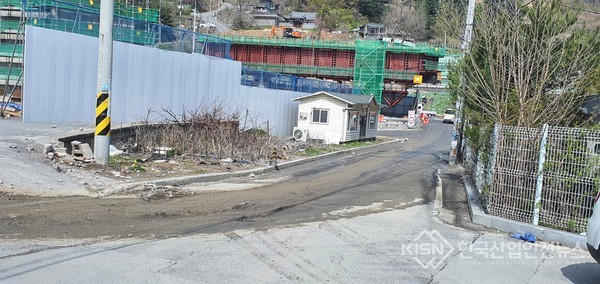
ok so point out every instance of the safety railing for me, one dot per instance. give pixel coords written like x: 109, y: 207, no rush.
x: 271, y: 80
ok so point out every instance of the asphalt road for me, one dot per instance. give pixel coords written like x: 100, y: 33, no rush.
x: 210, y: 16
x: 368, y: 216
x: 375, y: 179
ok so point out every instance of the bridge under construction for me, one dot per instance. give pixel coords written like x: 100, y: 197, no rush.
x: 384, y: 69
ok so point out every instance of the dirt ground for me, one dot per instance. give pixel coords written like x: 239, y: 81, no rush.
x: 164, y: 211
x: 32, y: 209
x: 29, y: 217
x: 135, y: 168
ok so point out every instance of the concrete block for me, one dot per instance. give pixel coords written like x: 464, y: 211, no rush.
x: 48, y: 148
x: 81, y: 150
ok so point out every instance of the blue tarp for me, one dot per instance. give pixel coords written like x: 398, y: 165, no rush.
x: 525, y: 237
x: 13, y: 105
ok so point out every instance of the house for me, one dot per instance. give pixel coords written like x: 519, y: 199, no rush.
x: 303, y: 20
x: 372, y: 31
x: 266, y: 6
x: 267, y: 19
x: 265, y: 14
x: 336, y: 118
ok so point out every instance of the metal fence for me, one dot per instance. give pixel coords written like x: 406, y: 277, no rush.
x: 547, y: 177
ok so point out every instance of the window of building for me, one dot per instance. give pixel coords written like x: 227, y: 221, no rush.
x: 320, y: 116
x: 372, y: 120
x: 353, y: 121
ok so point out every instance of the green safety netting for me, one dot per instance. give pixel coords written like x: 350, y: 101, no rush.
x: 369, y: 67
x: 6, y: 50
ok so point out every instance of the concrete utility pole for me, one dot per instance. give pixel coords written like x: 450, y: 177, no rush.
x: 194, y: 29
x: 209, y: 12
x: 180, y: 8
x: 459, y: 104
x: 195, y: 11
x: 469, y: 27
x: 102, y: 137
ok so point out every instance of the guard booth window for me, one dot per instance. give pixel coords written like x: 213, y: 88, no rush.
x: 353, y: 121
x: 320, y: 116
x: 372, y: 120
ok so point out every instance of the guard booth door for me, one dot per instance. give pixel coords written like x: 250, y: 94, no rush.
x: 363, y: 127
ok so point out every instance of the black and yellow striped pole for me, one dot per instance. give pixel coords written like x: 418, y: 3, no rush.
x: 102, y: 118
x: 102, y: 137
x: 274, y: 155
x: 105, y: 46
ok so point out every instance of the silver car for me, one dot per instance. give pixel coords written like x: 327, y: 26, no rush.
x: 593, y: 232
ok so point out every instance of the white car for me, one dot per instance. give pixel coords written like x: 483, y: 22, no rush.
x: 206, y: 25
x: 593, y: 232
x: 449, y: 116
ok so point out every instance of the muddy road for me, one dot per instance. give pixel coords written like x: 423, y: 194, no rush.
x: 394, y: 175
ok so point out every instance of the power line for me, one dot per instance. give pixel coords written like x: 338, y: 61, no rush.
x: 582, y: 9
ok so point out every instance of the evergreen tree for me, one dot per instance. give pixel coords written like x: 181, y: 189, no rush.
x: 373, y: 9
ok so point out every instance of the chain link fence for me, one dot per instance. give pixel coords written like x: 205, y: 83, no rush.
x: 545, y: 176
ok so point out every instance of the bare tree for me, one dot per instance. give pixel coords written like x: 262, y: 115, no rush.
x: 406, y: 19
x: 450, y: 23
x: 528, y: 65
x: 242, y: 19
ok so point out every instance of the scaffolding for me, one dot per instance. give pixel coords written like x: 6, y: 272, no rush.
x: 369, y: 67
x: 11, y: 31
x: 121, y: 8
x: 84, y: 19
x: 394, y: 63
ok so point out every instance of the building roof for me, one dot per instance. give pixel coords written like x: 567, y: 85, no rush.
x: 374, y: 25
x: 307, y: 16
x: 591, y: 106
x: 267, y: 16
x: 348, y: 98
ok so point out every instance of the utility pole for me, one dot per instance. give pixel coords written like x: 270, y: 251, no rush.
x: 194, y: 29
x: 469, y: 27
x: 209, y: 12
x: 458, y: 119
x: 102, y: 137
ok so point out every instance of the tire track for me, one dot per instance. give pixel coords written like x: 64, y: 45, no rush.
x: 360, y: 242
x: 287, y: 253
x: 265, y: 259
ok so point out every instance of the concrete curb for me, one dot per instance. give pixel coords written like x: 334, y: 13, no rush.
x: 178, y: 181
x: 478, y: 216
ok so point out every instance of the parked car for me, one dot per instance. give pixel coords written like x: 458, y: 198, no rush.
x: 206, y: 25
x: 449, y: 116
x: 593, y: 231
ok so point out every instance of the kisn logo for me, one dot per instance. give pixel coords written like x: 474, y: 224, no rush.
x: 429, y: 249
